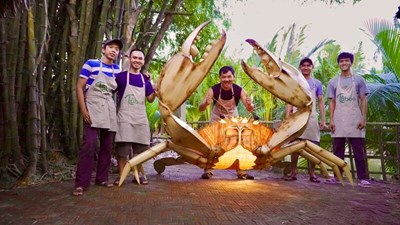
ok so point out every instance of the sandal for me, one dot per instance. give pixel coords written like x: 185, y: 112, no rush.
x: 142, y: 181
x: 332, y: 181
x: 206, y: 175
x: 116, y: 181
x: 78, y: 191
x: 314, y: 180
x: 290, y: 178
x: 105, y: 184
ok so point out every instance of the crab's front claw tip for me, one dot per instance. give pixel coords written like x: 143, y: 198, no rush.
x: 124, y: 174
x: 188, y: 47
x: 251, y: 41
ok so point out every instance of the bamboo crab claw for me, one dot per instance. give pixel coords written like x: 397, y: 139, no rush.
x: 178, y: 80
x: 181, y: 76
x: 287, y: 83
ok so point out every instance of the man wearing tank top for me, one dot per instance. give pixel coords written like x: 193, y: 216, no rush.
x: 225, y: 97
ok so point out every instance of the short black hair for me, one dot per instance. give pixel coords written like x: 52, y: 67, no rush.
x: 226, y: 69
x: 136, y: 49
x: 306, y: 59
x: 345, y: 55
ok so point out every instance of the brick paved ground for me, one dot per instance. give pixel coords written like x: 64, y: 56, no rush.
x: 179, y: 196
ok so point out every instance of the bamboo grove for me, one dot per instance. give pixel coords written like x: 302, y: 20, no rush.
x: 43, y: 45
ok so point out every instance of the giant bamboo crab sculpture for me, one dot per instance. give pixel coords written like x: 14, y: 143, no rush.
x: 235, y: 143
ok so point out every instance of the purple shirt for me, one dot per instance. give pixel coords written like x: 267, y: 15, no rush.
x: 317, y: 85
x: 134, y: 80
x: 227, y: 95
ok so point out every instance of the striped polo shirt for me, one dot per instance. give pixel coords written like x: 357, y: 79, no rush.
x: 91, y: 69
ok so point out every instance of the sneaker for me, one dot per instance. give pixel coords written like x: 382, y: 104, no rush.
x: 206, y: 175
x: 245, y: 177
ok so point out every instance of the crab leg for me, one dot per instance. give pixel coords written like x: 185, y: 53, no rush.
x: 142, y: 157
x: 328, y: 158
x: 314, y: 159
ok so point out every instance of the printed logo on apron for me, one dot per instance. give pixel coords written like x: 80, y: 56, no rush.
x: 347, y: 113
x: 99, y: 101
x: 133, y: 125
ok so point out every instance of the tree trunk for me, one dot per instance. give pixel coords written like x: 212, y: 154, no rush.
x: 160, y: 34
x: 101, y: 28
x: 12, y: 70
x: 5, y: 139
x: 33, y: 127
x: 74, y: 68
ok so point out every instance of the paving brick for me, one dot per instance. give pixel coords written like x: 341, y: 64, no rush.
x: 180, y: 196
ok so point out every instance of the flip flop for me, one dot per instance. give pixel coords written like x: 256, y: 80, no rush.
x: 105, y: 184
x: 290, y: 178
x: 331, y: 181
x: 116, y: 181
x: 314, y: 180
x: 78, y: 191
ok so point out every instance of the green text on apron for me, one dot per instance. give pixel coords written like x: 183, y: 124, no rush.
x: 133, y: 125
x: 225, y: 107
x: 347, y: 113
x: 312, y: 130
x: 100, y: 103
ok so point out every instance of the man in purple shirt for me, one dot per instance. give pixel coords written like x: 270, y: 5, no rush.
x: 133, y: 133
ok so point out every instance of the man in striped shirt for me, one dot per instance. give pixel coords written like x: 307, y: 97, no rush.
x: 94, y: 92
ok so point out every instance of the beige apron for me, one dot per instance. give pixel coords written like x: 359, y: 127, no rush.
x: 133, y: 125
x: 99, y: 101
x: 347, y: 112
x: 225, y: 107
x: 312, y: 130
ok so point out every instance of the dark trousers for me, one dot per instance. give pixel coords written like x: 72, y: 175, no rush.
x: 87, y: 153
x: 358, y: 147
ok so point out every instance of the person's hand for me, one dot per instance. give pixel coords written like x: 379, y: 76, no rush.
x: 322, y: 125
x: 333, y: 127
x: 86, y: 116
x: 209, y: 99
x: 361, y: 124
x: 148, y: 75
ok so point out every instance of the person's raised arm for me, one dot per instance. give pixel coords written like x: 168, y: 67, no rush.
x: 246, y: 100
x: 207, y: 100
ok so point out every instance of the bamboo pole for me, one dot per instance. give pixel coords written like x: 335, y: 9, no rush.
x: 33, y: 131
x: 12, y: 70
x: 5, y: 140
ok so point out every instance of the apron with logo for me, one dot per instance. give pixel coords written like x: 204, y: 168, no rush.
x: 312, y: 130
x: 99, y: 101
x: 347, y: 113
x: 133, y: 125
x: 224, y: 107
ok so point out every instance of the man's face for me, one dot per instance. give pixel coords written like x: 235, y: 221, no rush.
x: 345, y: 64
x: 111, y: 51
x: 226, y: 80
x: 306, y: 68
x: 137, y: 60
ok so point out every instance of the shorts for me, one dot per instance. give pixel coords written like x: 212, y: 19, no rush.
x: 125, y: 149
